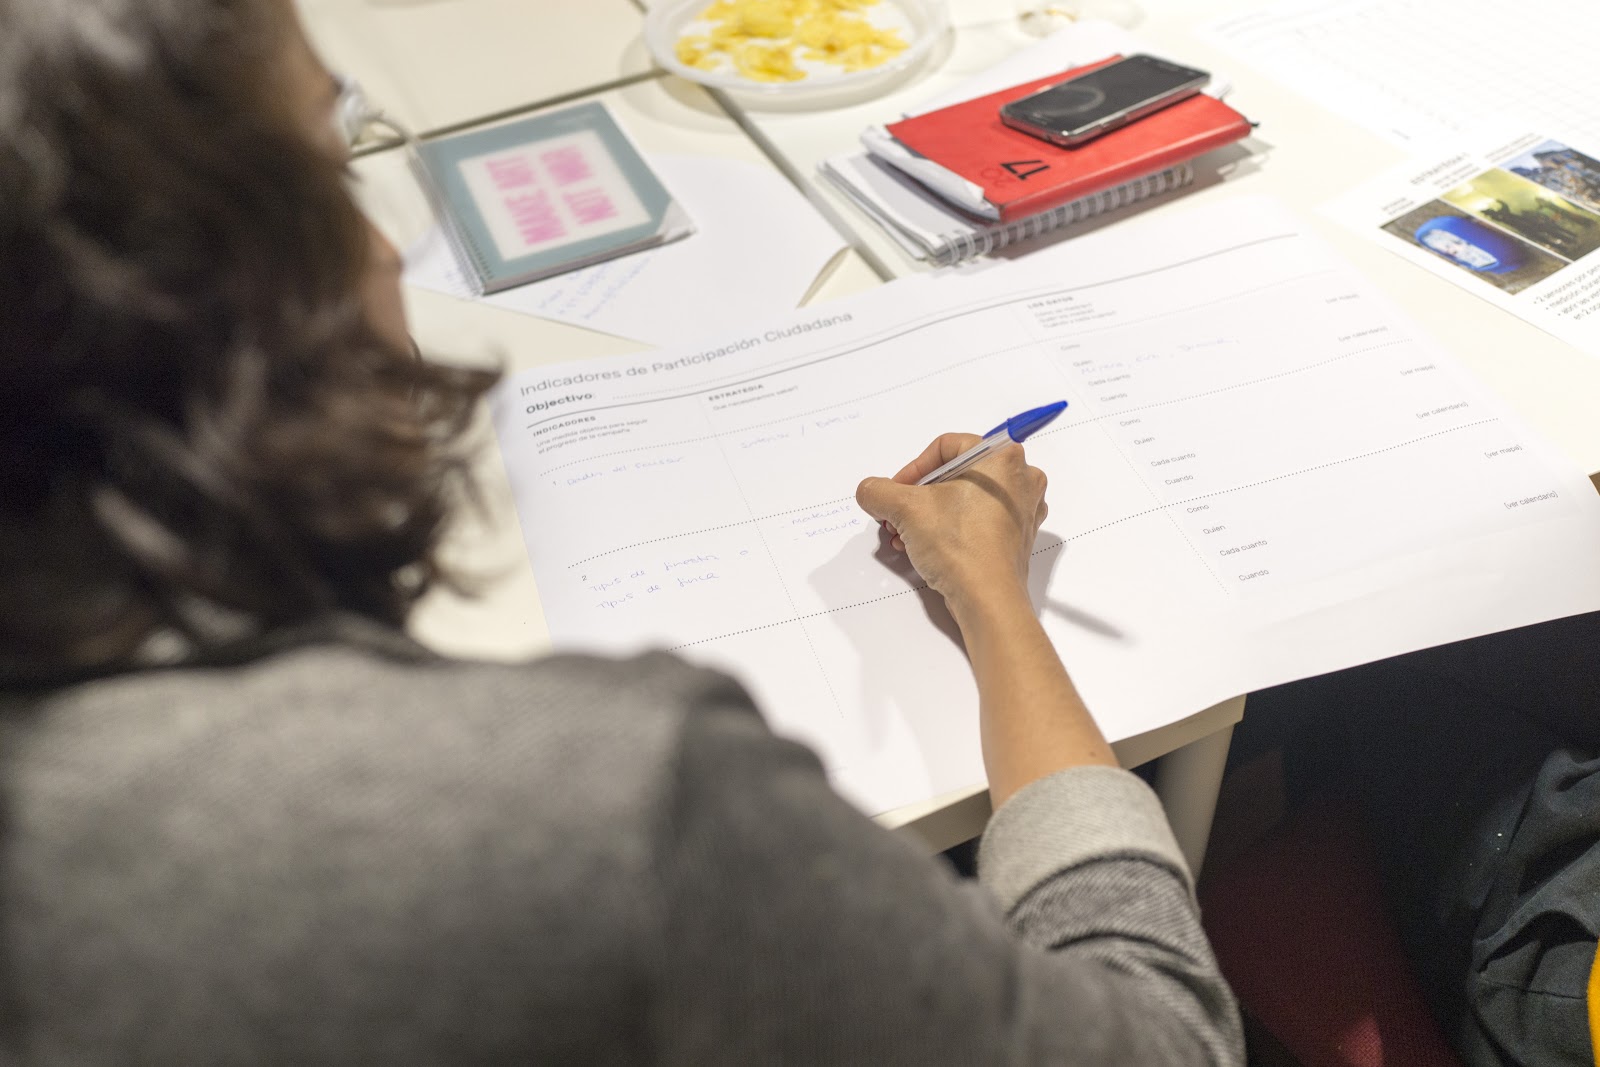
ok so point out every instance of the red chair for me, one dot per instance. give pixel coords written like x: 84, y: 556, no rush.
x: 1299, y: 927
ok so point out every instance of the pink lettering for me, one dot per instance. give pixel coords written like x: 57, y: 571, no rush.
x: 535, y: 217
x: 591, y: 205
x: 510, y: 172
x: 566, y: 165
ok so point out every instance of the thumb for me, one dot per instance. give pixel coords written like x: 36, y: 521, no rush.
x: 884, y: 499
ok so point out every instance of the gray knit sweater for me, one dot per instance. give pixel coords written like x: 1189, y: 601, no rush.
x: 339, y: 849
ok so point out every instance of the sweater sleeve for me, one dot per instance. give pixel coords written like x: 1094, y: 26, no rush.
x: 792, y: 930
x: 1084, y: 863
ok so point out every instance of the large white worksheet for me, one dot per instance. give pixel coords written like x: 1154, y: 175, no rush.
x: 1264, y: 473
x: 1422, y: 71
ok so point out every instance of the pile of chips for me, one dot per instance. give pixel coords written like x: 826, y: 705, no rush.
x: 762, y: 39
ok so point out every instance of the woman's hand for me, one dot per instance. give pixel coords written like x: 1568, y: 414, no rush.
x: 969, y: 537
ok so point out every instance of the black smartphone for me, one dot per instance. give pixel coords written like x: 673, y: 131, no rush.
x: 1082, y: 108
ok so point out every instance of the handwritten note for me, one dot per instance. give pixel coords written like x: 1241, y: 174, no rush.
x: 758, y: 248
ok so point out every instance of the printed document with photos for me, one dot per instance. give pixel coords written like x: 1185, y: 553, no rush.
x: 1516, y: 220
x: 1265, y: 473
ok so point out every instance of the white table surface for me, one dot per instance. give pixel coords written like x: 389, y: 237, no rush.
x: 436, y: 63
x: 441, y: 62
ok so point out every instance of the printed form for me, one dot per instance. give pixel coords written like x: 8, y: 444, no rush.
x: 1264, y: 473
x: 1498, y: 103
x: 1424, y: 71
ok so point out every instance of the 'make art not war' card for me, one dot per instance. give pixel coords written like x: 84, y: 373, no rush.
x: 545, y: 195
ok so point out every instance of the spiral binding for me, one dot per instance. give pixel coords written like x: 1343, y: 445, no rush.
x: 959, y: 246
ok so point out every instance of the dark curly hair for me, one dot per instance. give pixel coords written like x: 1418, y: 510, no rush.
x: 197, y: 418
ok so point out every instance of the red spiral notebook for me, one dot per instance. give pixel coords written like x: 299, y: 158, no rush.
x: 1022, y: 175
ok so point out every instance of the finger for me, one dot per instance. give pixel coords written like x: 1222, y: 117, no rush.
x: 1009, y: 459
x: 940, y: 451
x: 881, y: 498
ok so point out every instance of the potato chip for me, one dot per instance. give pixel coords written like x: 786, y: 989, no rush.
x: 766, y: 63
x: 765, y: 18
x: 694, y: 51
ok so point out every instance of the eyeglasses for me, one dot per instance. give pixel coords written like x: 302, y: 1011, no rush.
x: 362, y: 127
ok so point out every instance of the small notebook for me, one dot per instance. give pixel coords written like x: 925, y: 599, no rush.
x: 546, y: 194
x: 929, y: 229
x: 1016, y: 175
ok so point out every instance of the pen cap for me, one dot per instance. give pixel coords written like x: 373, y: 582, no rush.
x: 1021, y: 427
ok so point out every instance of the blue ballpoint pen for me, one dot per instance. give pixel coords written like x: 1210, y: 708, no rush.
x: 1013, y: 430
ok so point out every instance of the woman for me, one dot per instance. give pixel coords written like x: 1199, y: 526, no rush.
x: 245, y: 819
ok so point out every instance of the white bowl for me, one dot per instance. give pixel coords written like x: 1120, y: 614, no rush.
x: 923, y: 24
